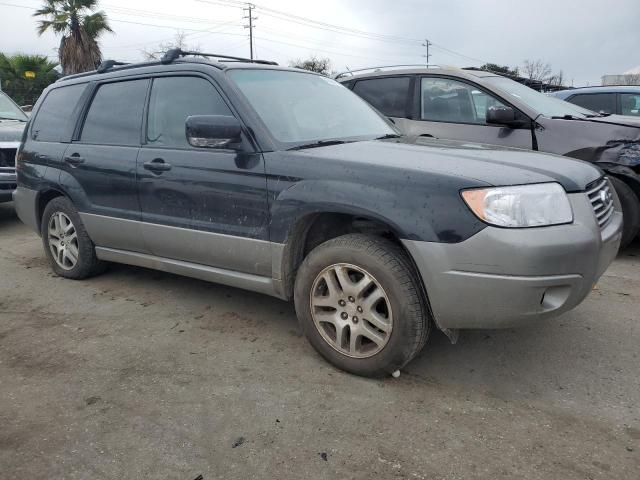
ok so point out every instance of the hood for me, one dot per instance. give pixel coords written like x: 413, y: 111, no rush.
x: 622, y: 120
x: 11, y: 130
x: 488, y: 164
x: 612, y: 140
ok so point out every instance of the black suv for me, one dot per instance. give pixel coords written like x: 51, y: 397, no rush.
x: 284, y: 182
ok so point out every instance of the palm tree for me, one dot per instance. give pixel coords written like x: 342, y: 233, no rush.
x: 23, y: 90
x: 79, y: 50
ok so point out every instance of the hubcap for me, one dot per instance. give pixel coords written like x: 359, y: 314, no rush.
x: 351, y: 310
x: 63, y: 241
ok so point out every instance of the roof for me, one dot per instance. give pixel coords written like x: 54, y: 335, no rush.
x: 599, y: 89
x: 177, y: 56
x: 402, y: 70
x: 469, y: 73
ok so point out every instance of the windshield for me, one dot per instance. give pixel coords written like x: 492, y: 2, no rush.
x: 544, y: 105
x: 9, y: 110
x: 300, y: 107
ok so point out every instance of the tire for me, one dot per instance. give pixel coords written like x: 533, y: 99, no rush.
x: 400, y: 308
x: 630, y: 211
x: 75, y: 240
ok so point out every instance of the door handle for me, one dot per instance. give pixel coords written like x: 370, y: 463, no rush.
x: 157, y: 165
x: 74, y: 160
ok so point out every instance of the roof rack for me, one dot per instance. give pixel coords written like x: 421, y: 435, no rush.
x: 175, y: 53
x: 375, y: 69
x: 108, y: 65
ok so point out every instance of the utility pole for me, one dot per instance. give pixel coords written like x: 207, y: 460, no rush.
x: 427, y: 44
x: 249, y: 8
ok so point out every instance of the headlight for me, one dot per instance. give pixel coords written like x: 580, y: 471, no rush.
x: 534, y: 205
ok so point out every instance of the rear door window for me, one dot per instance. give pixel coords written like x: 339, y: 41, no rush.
x: 630, y: 104
x: 389, y: 95
x: 115, y: 114
x: 53, y: 119
x: 172, y: 100
x: 597, y: 102
x: 448, y: 100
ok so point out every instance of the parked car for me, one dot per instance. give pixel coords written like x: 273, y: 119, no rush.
x: 12, y: 122
x: 619, y: 100
x: 283, y: 182
x: 480, y: 106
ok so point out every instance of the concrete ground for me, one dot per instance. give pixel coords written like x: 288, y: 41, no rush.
x: 140, y: 374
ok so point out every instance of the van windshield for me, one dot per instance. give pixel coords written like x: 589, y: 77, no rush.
x: 9, y: 110
x: 300, y: 107
x: 541, y: 103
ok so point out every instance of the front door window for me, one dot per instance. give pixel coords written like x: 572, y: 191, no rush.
x: 447, y: 100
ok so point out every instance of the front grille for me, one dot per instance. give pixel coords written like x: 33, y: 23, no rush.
x: 7, y: 158
x: 601, y: 197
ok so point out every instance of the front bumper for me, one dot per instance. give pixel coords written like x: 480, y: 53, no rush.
x: 7, y: 184
x: 505, y: 277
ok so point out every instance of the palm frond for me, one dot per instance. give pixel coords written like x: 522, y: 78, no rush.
x: 79, y: 27
x: 96, y: 24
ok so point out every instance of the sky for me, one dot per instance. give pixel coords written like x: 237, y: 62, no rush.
x: 584, y: 38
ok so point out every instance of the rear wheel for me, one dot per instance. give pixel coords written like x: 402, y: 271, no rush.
x: 66, y: 242
x: 630, y: 211
x: 360, y: 304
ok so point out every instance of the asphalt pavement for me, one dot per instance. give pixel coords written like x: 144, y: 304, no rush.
x: 143, y: 374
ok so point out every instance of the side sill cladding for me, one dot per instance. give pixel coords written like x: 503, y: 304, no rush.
x: 245, y: 281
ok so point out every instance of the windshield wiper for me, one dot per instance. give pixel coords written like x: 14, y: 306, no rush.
x: 389, y: 135
x: 573, y: 117
x: 319, y: 143
x: 11, y: 118
x: 566, y: 117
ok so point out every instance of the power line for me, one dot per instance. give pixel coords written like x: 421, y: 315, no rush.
x: 458, y: 53
x: 306, y: 47
x: 202, y: 34
x: 163, y: 16
x: 225, y: 3
x: 325, y: 25
x: 278, y: 33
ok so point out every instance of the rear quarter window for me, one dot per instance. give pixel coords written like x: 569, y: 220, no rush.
x: 53, y: 119
x: 389, y: 95
x: 596, y: 102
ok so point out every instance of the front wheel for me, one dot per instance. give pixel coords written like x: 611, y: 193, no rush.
x: 630, y: 211
x: 66, y: 242
x: 360, y: 304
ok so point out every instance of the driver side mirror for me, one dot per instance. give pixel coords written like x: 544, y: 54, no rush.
x: 503, y: 116
x: 213, y: 131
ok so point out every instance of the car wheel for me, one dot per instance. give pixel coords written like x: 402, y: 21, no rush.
x: 360, y: 304
x: 630, y: 211
x: 66, y: 242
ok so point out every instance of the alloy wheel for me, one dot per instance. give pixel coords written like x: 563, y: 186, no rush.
x: 63, y: 241
x: 351, y: 310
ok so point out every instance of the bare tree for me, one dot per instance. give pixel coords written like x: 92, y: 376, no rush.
x: 313, y: 64
x: 500, y: 69
x: 631, y: 79
x: 179, y: 41
x: 536, y: 70
x: 556, y: 79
